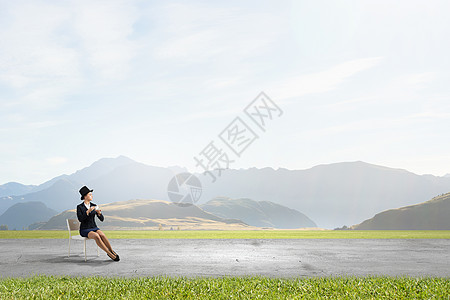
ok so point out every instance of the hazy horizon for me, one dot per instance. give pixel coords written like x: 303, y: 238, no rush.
x: 157, y: 82
x: 247, y: 168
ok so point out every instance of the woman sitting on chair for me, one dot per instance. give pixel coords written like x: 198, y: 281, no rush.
x: 86, y: 213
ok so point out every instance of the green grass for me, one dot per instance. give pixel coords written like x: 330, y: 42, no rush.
x: 50, y: 287
x: 240, y: 234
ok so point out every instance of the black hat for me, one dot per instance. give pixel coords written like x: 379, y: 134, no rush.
x: 84, y: 191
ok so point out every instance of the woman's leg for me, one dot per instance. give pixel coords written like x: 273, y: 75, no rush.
x: 105, y: 240
x: 95, y: 236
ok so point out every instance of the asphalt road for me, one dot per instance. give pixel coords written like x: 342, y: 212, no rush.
x: 194, y: 258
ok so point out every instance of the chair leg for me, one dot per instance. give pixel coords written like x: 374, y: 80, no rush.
x: 98, y: 252
x: 69, y: 248
x: 85, y: 250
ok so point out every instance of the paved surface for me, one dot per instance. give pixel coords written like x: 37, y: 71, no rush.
x: 192, y: 258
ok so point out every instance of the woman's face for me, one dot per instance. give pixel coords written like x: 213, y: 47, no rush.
x: 88, y: 197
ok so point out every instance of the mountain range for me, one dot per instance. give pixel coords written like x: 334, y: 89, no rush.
x: 331, y: 195
x: 14, y: 188
x: 113, y: 180
x: 218, y: 213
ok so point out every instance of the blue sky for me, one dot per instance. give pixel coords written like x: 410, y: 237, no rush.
x: 158, y: 80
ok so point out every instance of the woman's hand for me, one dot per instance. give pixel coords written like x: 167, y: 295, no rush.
x: 90, y: 209
x: 99, y: 211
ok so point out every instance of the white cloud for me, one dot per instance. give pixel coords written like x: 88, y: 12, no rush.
x: 51, y: 42
x: 56, y: 160
x: 198, y: 33
x: 51, y: 50
x: 382, y: 125
x: 103, y: 29
x: 320, y: 82
x: 31, y: 52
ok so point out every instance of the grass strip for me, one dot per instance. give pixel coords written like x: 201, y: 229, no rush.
x: 51, y: 287
x: 239, y: 234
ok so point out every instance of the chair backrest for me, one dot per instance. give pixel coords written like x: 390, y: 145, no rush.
x: 73, y: 224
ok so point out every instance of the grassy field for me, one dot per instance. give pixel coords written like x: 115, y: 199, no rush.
x: 241, y: 234
x: 43, y: 287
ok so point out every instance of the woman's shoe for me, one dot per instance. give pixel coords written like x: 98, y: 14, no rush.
x: 117, y: 255
x: 115, y: 258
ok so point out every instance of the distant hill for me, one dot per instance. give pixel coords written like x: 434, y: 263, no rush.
x: 7, y: 202
x: 56, y: 196
x: 148, y: 214
x: 429, y: 215
x: 99, y: 168
x: 258, y: 213
x: 20, y: 215
x: 15, y: 189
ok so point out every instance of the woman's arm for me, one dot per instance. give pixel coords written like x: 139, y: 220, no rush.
x: 100, y: 215
x: 82, y: 216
